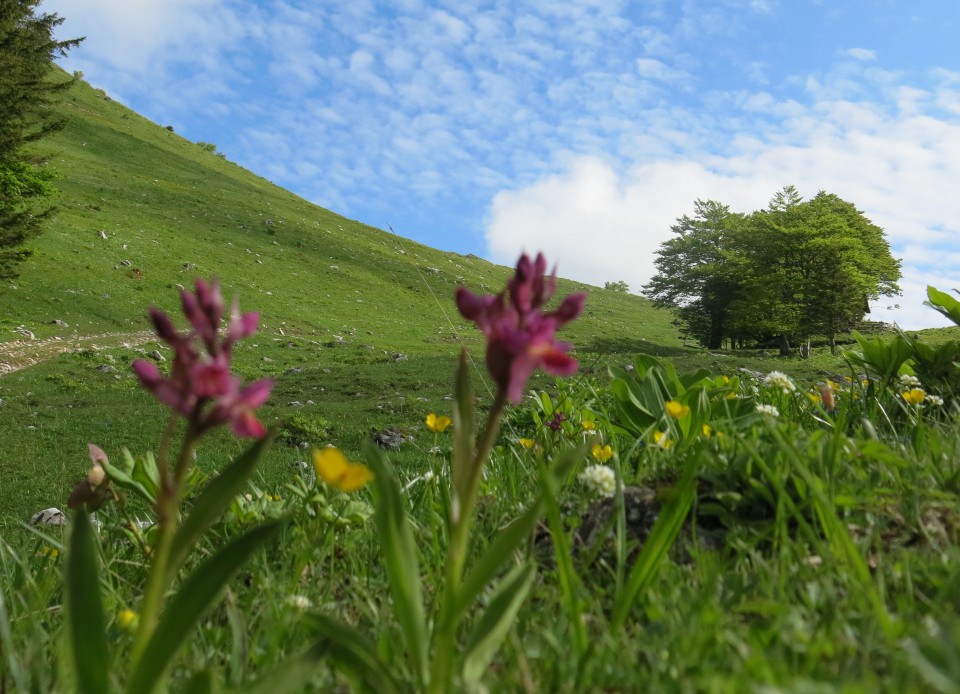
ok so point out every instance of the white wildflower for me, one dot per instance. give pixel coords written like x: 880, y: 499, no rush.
x: 778, y: 379
x: 299, y: 602
x: 768, y: 410
x: 934, y: 400
x: 909, y: 381
x: 599, y: 480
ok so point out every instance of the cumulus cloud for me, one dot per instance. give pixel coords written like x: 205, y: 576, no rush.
x: 604, y: 221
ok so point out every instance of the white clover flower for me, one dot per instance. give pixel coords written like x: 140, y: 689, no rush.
x: 299, y: 602
x: 754, y: 390
x: 934, y: 400
x: 768, y: 410
x: 909, y: 381
x: 599, y: 480
x: 778, y: 379
x: 436, y: 450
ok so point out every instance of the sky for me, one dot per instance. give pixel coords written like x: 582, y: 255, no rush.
x: 579, y: 128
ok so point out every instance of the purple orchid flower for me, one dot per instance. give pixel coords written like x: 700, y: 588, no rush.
x: 520, y: 336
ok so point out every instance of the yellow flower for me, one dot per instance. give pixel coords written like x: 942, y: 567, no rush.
x: 527, y: 443
x: 731, y: 395
x: 676, y: 410
x: 707, y: 431
x: 127, y: 620
x: 914, y: 396
x: 437, y: 424
x: 601, y: 453
x: 338, y: 472
x: 51, y: 552
x: 660, y: 438
x: 589, y: 425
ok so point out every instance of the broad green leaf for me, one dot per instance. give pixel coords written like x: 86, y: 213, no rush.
x: 350, y: 648
x: 122, y: 476
x: 496, y: 621
x: 399, y: 556
x: 195, y: 596
x: 214, y: 500
x: 497, y: 553
x: 87, y: 626
x: 944, y: 303
x: 661, y: 537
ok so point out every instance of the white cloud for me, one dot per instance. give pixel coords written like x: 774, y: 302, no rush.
x: 604, y: 222
x: 864, y: 54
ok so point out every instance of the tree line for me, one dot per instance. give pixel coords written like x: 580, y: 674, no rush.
x: 796, y: 270
x: 29, y: 91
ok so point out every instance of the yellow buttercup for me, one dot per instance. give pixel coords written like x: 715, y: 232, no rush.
x: 338, y: 472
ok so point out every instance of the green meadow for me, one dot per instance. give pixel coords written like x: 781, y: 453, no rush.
x: 810, y: 550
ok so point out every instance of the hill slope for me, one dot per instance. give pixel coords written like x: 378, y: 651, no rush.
x: 171, y: 210
x: 358, y: 325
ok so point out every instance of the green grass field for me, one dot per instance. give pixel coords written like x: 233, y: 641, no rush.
x: 819, y: 553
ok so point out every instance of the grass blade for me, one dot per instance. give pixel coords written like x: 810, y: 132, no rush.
x: 399, y: 557
x: 87, y: 627
x: 661, y: 537
x: 195, y: 596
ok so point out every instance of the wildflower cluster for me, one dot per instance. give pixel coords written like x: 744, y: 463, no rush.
x: 778, y: 379
x: 599, y: 480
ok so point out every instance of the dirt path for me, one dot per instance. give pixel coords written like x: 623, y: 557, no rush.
x: 19, y: 354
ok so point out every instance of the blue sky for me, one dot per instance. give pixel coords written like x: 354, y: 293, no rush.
x: 582, y: 128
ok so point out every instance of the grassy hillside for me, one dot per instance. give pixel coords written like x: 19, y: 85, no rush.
x: 337, y: 300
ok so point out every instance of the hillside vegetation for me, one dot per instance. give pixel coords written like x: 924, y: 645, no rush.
x: 353, y: 309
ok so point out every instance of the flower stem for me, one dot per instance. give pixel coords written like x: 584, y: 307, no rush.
x: 445, y: 634
x: 160, y: 577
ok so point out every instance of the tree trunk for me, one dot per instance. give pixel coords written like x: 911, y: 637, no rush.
x: 833, y: 343
x: 784, y: 345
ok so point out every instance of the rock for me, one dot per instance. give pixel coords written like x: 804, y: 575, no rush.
x: 106, y: 368
x: 60, y: 324
x: 189, y: 266
x: 156, y: 356
x: 20, y: 330
x: 389, y: 438
x: 295, y: 403
x: 49, y: 516
x: 294, y: 370
x: 126, y: 263
x: 102, y: 234
x: 399, y: 356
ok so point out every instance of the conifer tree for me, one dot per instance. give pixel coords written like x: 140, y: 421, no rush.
x: 29, y: 90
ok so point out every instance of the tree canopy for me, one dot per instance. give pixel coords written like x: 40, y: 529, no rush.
x: 28, y: 97
x: 795, y: 270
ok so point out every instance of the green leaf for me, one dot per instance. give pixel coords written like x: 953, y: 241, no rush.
x: 195, y: 596
x: 464, y: 427
x: 293, y: 674
x: 203, y: 682
x: 944, y: 303
x: 86, y: 624
x: 399, y: 556
x: 505, y: 542
x: 353, y: 651
x: 214, y: 500
x: 494, y: 557
x: 124, y: 477
x: 661, y: 537
x: 496, y: 621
